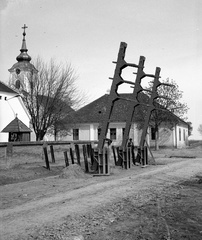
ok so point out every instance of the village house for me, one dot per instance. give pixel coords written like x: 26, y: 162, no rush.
x: 85, y: 124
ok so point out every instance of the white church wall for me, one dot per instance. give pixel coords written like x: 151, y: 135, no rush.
x: 10, y: 105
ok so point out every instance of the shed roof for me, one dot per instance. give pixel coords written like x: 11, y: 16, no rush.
x: 16, y: 126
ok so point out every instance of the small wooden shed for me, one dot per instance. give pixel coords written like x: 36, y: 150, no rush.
x: 18, y: 131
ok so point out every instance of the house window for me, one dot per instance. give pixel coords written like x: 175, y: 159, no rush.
x: 113, y: 133
x: 179, y: 134
x: 75, y: 134
x: 98, y: 133
x: 184, y: 134
x: 153, y: 134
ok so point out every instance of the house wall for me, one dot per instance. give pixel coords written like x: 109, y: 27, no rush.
x: 181, y: 141
x: 9, y: 107
x: 90, y: 132
x: 171, y: 137
x: 167, y: 137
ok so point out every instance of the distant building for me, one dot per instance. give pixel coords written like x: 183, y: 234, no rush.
x: 86, y: 125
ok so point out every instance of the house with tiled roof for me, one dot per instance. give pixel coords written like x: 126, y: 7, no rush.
x: 14, y: 117
x: 86, y: 123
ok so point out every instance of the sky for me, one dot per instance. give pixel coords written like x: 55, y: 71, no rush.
x: 87, y: 35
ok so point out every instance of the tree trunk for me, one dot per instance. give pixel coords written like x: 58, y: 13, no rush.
x: 40, y: 135
x: 55, y: 134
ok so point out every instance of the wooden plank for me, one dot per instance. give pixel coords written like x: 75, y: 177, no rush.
x: 46, y: 157
x: 85, y: 157
x: 66, y: 159
x: 77, y: 151
x: 114, y: 155
x: 71, y: 155
x: 52, y: 154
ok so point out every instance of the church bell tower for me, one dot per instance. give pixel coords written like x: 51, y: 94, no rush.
x: 22, y: 73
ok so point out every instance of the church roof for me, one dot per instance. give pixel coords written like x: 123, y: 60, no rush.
x: 5, y: 88
x: 16, y: 126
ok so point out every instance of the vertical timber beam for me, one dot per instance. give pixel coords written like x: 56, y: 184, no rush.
x: 134, y: 103
x: 113, y: 96
x: 151, y: 106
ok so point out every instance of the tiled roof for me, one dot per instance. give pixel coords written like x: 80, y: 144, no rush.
x: 94, y: 111
x: 16, y: 126
x: 5, y: 88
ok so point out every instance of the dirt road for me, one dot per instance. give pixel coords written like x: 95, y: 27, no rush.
x: 30, y: 210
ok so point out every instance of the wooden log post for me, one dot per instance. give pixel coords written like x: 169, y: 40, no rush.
x: 95, y: 160
x: 46, y: 155
x: 92, y: 155
x: 114, y: 154
x: 146, y: 155
x: 125, y: 158
x: 71, y: 155
x: 142, y: 156
x: 77, y: 153
x: 8, y: 154
x: 66, y: 159
x: 85, y: 157
x: 133, y: 154
x: 129, y: 150
x: 52, y: 154
x: 120, y: 157
x: 107, y: 162
x: 96, y: 164
x: 88, y: 150
x: 138, y: 157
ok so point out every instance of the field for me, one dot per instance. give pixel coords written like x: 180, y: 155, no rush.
x: 161, y: 201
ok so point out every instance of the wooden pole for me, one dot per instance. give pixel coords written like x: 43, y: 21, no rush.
x: 66, y: 159
x: 46, y: 157
x: 52, y: 153
x: 85, y: 158
x: 114, y: 154
x: 77, y: 153
x: 72, y: 155
x: 146, y: 155
x: 133, y: 154
x: 107, y: 167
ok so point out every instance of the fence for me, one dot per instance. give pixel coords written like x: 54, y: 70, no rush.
x: 75, y: 152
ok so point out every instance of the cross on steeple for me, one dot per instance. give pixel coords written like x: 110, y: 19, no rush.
x: 24, y: 27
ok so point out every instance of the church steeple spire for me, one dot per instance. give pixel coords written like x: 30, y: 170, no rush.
x: 23, y: 71
x: 23, y: 55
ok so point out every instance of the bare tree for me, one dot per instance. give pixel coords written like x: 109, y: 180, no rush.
x: 51, y: 93
x: 172, y: 109
x: 200, y: 129
x: 169, y: 110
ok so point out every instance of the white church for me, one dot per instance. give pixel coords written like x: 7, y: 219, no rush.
x: 14, y: 117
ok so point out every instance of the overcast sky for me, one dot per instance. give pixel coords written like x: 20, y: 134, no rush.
x: 87, y: 34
